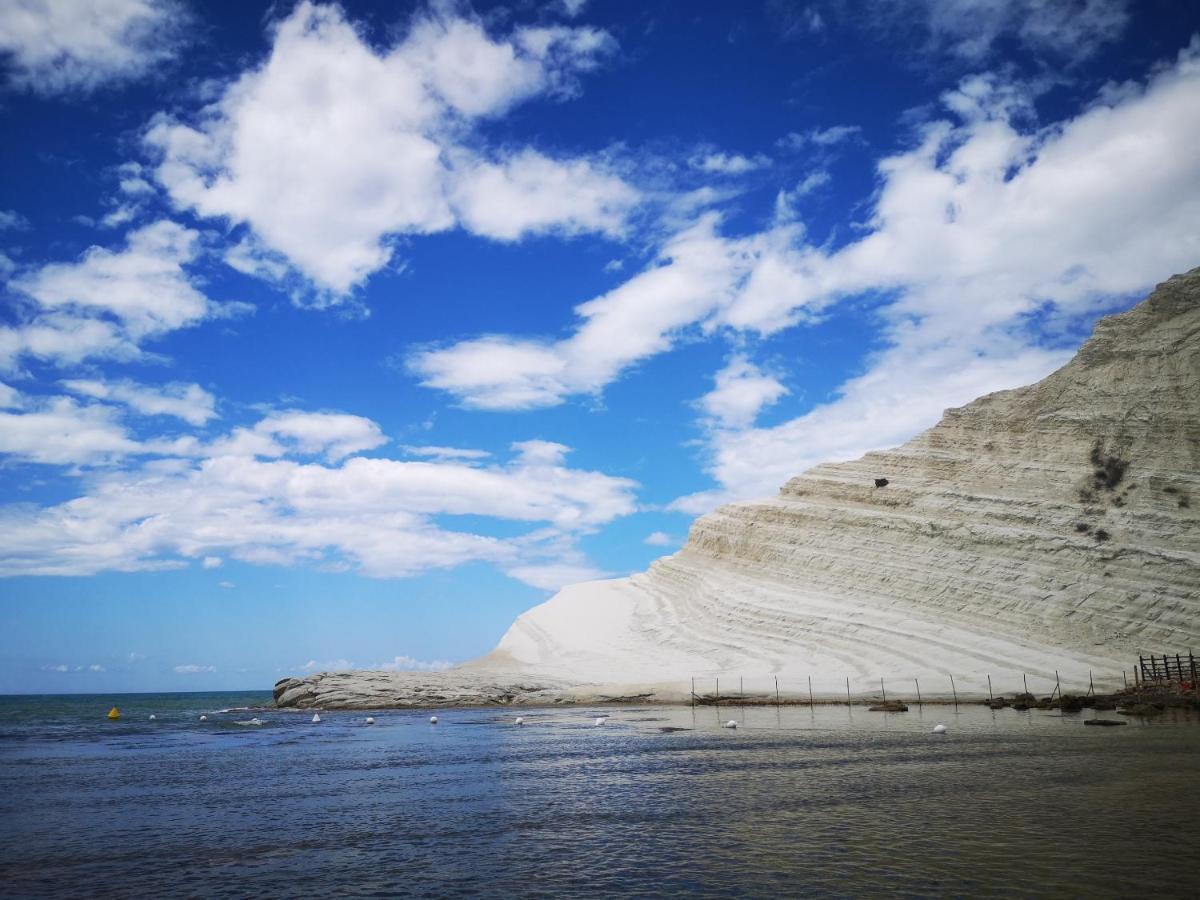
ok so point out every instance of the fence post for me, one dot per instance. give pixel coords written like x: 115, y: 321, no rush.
x: 989, y: 689
x: 1125, y: 678
x: 1057, y: 685
x: 848, y: 703
x: 742, y: 689
x: 1025, y: 681
x: 776, y: 690
x: 883, y: 689
x: 693, y: 692
x: 810, y: 703
x: 954, y: 691
x: 718, y: 690
x: 1091, y: 685
x: 918, y: 684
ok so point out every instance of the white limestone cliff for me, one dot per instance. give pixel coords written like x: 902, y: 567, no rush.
x: 1050, y: 527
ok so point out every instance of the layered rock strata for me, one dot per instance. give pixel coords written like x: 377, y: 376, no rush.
x: 1050, y: 528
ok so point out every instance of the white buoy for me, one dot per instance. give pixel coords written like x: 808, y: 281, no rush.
x: 204, y: 718
x: 730, y: 724
x: 256, y: 721
x: 600, y: 720
x: 151, y: 717
x: 316, y: 718
x: 370, y: 720
x: 939, y: 729
x: 433, y: 720
x: 520, y: 720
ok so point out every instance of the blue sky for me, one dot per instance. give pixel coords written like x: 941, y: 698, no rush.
x: 340, y: 335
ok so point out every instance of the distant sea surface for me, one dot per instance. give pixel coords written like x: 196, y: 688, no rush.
x: 830, y: 802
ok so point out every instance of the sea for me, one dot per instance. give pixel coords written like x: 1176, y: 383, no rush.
x: 831, y: 801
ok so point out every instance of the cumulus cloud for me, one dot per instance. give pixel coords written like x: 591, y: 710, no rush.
x: 59, y: 46
x: 408, y: 664
x: 193, y: 669
x: 717, y: 163
x: 246, y: 496
x: 59, y: 431
x: 188, y: 402
x: 553, y: 576
x: 741, y: 391
x: 659, y: 539
x: 333, y: 665
x: 211, y: 562
x: 699, y: 277
x: 109, y: 301
x: 331, y: 147
x: 11, y: 220
x: 435, y: 452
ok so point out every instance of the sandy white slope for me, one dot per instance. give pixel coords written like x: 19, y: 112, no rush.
x: 969, y: 561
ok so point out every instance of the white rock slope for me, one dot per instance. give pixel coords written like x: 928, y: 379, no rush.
x: 1051, y: 527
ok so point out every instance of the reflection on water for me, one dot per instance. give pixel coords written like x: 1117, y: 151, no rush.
x: 824, y: 802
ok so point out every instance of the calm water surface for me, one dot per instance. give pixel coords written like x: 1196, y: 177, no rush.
x: 825, y: 803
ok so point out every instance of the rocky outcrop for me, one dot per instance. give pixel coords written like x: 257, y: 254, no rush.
x: 1051, y: 528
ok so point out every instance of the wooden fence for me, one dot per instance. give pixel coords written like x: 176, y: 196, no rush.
x: 1165, y: 669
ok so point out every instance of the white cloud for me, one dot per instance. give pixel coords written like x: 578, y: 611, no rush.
x: 408, y: 664
x: 741, y: 391
x: 449, y: 453
x: 728, y: 163
x: 10, y: 397
x: 58, y: 431
x: 572, y: 8
x: 379, y: 516
x: 193, y: 669
x: 820, y: 137
x: 659, y: 539
x: 554, y: 576
x: 971, y: 29
x: 530, y: 193
x: 57, y: 46
x: 188, y: 402
x: 226, y: 585
x: 61, y: 667
x: 697, y: 276
x: 334, y: 665
x: 134, y: 656
x: 109, y: 301
x: 331, y: 146
x: 11, y: 220
x: 96, y: 668
x: 211, y: 562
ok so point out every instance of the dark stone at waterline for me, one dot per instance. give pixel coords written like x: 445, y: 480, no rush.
x: 1103, y: 723
x: 888, y: 706
x: 881, y: 482
x: 1141, y: 709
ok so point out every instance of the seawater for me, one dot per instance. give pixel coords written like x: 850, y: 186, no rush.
x: 829, y: 802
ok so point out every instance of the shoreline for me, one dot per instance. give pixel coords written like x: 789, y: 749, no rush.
x: 337, y: 691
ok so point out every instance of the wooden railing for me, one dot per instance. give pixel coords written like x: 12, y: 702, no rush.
x: 1167, y: 669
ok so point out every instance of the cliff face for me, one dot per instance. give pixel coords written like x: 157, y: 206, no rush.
x: 1055, y: 527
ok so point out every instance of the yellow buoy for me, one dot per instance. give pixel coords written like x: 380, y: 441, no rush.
x: 114, y: 713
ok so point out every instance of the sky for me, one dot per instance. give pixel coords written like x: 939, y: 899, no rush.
x: 337, y: 336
